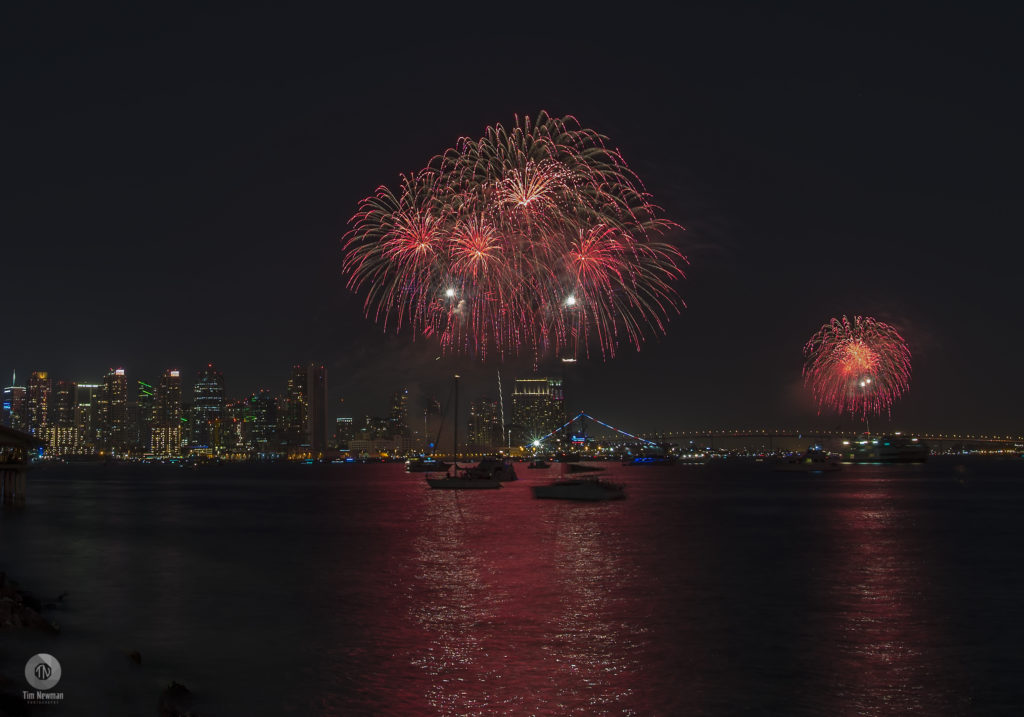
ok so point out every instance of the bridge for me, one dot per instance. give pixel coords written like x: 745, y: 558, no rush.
x: 939, y: 442
x: 781, y: 438
x: 581, y: 436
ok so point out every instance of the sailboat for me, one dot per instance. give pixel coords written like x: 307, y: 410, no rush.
x: 466, y: 478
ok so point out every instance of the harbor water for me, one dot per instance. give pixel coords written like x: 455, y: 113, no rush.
x: 354, y: 589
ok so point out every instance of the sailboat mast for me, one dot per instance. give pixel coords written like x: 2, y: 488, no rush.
x: 455, y: 428
x: 501, y: 404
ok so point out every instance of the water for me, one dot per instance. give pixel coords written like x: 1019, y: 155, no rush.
x: 342, y: 590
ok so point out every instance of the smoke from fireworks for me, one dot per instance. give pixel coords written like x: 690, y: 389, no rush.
x: 536, y: 237
x: 860, y: 367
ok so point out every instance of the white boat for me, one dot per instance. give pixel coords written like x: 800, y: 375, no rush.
x: 580, y: 489
x: 887, y: 449
x: 813, y: 461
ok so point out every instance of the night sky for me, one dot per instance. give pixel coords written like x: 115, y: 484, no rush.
x: 175, y: 188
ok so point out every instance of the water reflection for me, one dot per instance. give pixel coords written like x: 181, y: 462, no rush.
x: 887, y: 634
x: 594, y: 652
x: 519, y: 607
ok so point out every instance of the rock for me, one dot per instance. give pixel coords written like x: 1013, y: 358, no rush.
x: 17, y: 609
x: 175, y: 701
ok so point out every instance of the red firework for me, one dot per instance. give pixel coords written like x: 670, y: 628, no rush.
x: 860, y: 367
x: 537, y: 238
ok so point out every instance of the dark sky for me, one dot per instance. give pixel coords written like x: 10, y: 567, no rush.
x: 175, y: 187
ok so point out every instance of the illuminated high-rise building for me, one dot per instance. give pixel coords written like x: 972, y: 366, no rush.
x: 295, y: 421
x: 87, y: 397
x: 14, y: 406
x: 344, y: 431
x: 261, y: 427
x: 207, y: 412
x: 166, y: 428
x: 114, y: 430
x: 399, y: 415
x: 144, y: 400
x: 316, y: 396
x: 538, y: 407
x: 484, y: 424
x: 39, y: 387
x: 61, y: 433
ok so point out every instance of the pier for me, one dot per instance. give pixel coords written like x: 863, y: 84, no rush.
x: 15, y: 449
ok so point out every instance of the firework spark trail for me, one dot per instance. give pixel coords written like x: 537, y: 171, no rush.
x: 536, y: 237
x: 860, y: 367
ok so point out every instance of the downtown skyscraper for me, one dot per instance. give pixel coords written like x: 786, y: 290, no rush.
x: 166, y: 429
x: 114, y: 432
x: 305, y: 411
x: 207, y: 412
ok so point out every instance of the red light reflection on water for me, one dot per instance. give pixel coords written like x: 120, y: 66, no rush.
x: 521, y: 627
x: 887, y: 639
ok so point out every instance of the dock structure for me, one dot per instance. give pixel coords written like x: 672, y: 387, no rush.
x: 15, y: 449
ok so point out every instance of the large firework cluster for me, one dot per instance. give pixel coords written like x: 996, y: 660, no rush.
x: 535, y: 237
x: 860, y: 367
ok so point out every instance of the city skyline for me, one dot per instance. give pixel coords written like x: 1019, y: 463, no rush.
x: 417, y: 404
x: 810, y: 185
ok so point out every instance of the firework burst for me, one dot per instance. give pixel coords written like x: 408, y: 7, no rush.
x: 860, y: 367
x: 537, y: 237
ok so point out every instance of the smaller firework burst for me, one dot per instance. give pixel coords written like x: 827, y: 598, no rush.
x: 859, y: 367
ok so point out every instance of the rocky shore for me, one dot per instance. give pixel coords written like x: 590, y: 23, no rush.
x: 21, y: 610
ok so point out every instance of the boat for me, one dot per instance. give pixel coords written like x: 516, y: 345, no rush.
x: 538, y: 463
x: 425, y: 464
x: 467, y: 478
x: 500, y: 469
x: 814, y: 460
x: 886, y: 449
x: 582, y: 488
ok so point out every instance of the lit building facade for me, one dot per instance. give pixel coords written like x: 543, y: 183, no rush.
x: 485, y: 424
x: 145, y: 400
x: 61, y: 433
x: 166, y: 428
x: 207, y: 412
x: 14, y: 406
x: 399, y: 415
x: 114, y: 431
x: 295, y: 420
x: 261, y: 424
x: 39, y: 387
x: 87, y: 397
x: 538, y: 407
x: 304, y: 422
x: 344, y: 432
